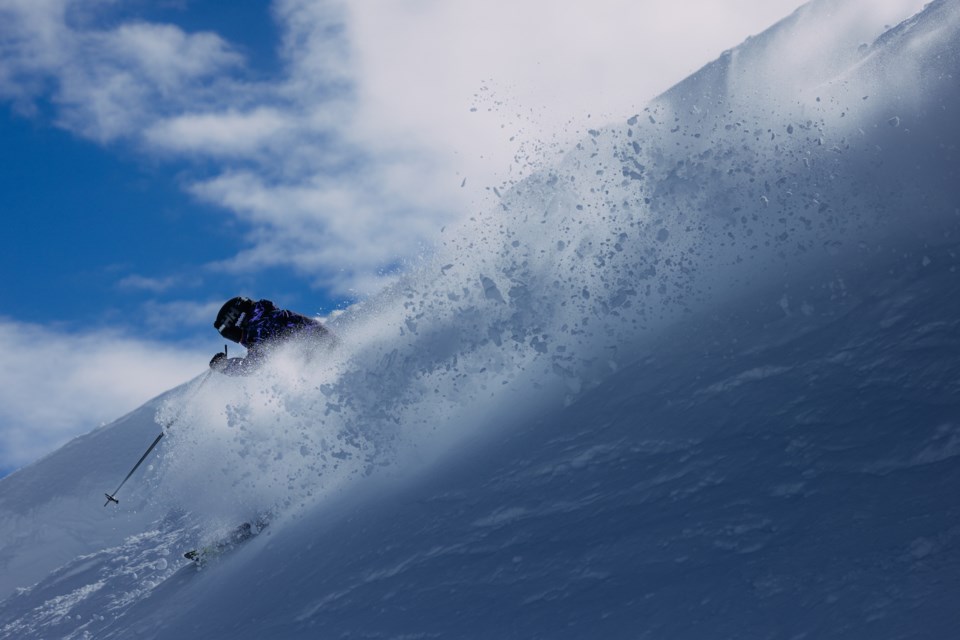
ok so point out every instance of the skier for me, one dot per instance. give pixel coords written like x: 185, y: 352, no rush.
x: 258, y: 326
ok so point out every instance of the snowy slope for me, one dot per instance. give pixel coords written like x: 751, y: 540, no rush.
x: 47, y: 515
x: 698, y: 380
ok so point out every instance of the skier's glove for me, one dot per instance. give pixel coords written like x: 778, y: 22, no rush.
x: 219, y: 361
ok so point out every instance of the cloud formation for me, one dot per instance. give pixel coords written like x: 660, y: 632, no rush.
x: 104, y: 83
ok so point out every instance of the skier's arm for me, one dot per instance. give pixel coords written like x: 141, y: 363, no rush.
x: 239, y: 366
x: 229, y: 366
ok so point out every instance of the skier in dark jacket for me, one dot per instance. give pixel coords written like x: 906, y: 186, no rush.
x: 258, y: 326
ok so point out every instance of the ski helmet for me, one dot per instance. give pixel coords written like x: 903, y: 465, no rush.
x: 233, y: 315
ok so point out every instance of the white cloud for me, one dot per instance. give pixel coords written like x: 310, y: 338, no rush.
x: 105, y: 84
x: 164, y: 55
x: 315, y: 44
x: 229, y: 133
x: 30, y: 47
x: 333, y: 231
x: 549, y: 63
x: 54, y: 385
x: 144, y: 283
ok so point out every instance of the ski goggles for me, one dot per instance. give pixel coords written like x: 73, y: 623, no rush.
x: 230, y: 324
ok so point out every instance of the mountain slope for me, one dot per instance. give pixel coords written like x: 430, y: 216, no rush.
x: 48, y: 514
x: 699, y: 379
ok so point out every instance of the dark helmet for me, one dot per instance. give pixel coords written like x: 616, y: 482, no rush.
x: 233, y: 315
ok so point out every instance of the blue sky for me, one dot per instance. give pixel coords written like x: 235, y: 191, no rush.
x: 93, y: 234
x: 160, y: 157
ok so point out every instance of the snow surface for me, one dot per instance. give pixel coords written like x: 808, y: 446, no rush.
x: 698, y: 380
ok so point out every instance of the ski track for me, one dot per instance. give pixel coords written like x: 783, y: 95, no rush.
x: 99, y: 588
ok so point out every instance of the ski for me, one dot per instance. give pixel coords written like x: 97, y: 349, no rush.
x: 202, y: 555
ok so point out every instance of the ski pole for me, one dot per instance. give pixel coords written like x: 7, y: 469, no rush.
x: 111, y: 497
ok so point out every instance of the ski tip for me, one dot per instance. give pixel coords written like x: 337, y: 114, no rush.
x: 110, y: 499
